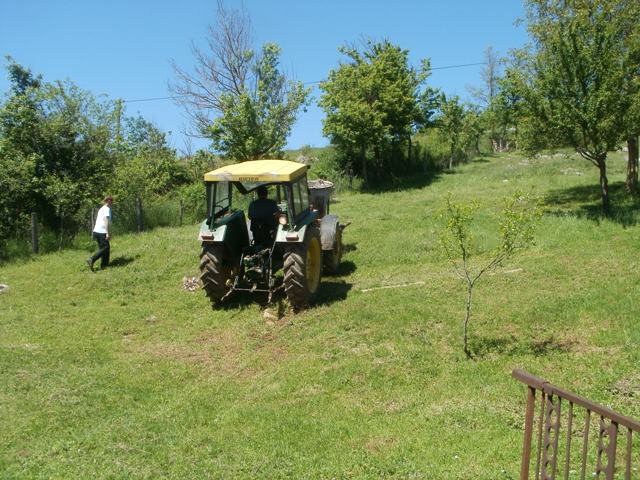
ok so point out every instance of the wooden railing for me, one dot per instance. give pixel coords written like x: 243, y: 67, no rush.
x: 614, y: 436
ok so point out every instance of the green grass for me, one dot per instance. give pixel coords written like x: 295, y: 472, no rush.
x: 123, y: 373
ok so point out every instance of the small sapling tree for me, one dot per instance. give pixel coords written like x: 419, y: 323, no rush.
x: 516, y: 226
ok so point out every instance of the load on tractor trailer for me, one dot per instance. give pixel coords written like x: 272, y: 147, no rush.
x: 287, y: 227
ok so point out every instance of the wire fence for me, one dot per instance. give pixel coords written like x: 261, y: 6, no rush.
x: 128, y: 216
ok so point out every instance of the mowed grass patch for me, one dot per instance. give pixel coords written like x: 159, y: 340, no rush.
x: 123, y: 373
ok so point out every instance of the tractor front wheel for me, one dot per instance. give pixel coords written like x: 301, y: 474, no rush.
x: 302, y: 266
x: 213, y: 272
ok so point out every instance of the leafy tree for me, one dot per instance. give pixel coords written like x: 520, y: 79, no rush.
x: 352, y: 122
x: 257, y: 122
x: 56, y: 137
x: 16, y: 201
x: 199, y: 163
x: 516, y: 227
x: 507, y: 107
x: 140, y: 135
x: 238, y: 99
x: 375, y: 102
x: 473, y: 128
x: 19, y: 147
x: 489, y: 98
x: 631, y: 63
x: 632, y: 148
x: 22, y: 79
x: 146, y: 165
x: 450, y: 125
x: 577, y: 93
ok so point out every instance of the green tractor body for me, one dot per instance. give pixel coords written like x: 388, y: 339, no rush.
x: 241, y: 254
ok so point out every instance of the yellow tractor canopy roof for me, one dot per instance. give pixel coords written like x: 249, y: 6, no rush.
x: 257, y: 171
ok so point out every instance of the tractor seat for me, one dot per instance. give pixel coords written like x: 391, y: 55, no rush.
x: 263, y: 232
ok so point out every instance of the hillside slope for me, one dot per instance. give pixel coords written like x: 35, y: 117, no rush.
x: 123, y: 373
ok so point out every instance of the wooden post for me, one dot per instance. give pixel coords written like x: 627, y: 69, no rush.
x: 92, y: 222
x: 139, y: 214
x: 35, y: 241
x: 181, y: 211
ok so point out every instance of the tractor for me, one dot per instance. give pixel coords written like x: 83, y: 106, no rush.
x: 246, y: 254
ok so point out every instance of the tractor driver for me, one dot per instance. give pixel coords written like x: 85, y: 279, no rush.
x: 262, y: 213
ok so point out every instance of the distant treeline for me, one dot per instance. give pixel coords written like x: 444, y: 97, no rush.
x: 576, y: 84
x: 62, y: 150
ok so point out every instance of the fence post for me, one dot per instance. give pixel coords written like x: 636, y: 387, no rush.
x: 35, y: 243
x: 139, y: 214
x: 350, y: 175
x: 181, y: 211
x: 528, y: 430
x: 92, y: 221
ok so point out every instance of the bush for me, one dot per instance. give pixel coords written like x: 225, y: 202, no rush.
x: 193, y: 198
x: 433, y: 149
x: 329, y: 165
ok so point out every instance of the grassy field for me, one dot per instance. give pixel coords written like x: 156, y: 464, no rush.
x: 124, y: 374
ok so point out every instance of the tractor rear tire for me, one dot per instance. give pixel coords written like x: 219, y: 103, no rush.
x: 213, y: 273
x: 302, y: 269
x: 331, y: 258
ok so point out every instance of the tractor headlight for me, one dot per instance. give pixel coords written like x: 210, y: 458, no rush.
x: 282, y: 219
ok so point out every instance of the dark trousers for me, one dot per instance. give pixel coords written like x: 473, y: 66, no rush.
x: 103, y: 249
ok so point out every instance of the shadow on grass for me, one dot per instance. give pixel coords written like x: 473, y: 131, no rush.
x: 512, y: 346
x: 483, y: 159
x: 585, y: 201
x: 242, y: 300
x: 482, y: 346
x: 346, y: 268
x: 420, y: 180
x: 331, y: 292
x: 121, y: 261
x: 409, y: 182
x: 479, y: 158
x: 349, y: 247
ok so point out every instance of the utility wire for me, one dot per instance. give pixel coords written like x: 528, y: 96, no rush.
x: 172, y: 97
x: 149, y: 99
x: 459, y: 66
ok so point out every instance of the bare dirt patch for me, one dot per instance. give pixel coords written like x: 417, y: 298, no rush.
x: 219, y: 351
x: 380, y: 444
x: 222, y: 351
x: 628, y: 386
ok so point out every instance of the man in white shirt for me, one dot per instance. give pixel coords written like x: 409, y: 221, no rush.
x: 101, y: 234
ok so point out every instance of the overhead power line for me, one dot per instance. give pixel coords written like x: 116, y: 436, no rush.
x: 315, y: 82
x: 459, y: 66
x: 149, y: 99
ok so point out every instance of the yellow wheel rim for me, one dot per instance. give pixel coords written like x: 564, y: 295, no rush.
x: 314, y: 257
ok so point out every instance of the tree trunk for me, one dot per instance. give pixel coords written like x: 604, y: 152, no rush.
x: 363, y: 154
x: 604, y: 184
x: 451, y: 157
x: 632, y: 165
x: 467, y: 315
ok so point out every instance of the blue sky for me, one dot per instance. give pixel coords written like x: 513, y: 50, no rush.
x: 123, y: 48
